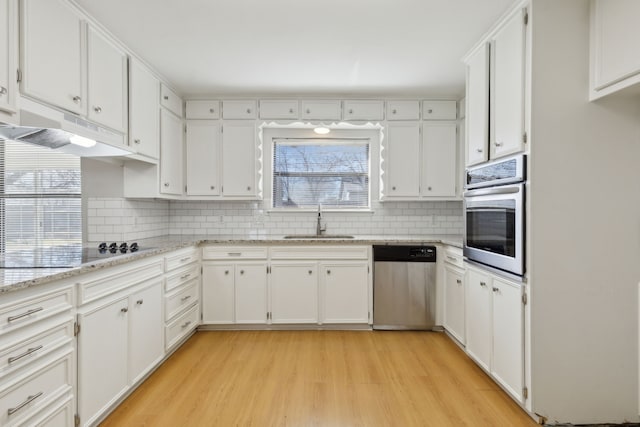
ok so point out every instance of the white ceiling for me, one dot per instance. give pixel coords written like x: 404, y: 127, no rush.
x: 303, y: 47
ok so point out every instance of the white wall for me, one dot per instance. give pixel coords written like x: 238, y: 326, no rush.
x: 585, y: 230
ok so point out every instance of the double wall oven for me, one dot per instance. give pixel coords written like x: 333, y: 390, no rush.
x: 494, y: 213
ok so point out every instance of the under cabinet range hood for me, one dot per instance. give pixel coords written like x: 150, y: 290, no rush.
x: 65, y: 132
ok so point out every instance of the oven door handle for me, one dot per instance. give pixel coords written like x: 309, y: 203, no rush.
x: 490, y: 191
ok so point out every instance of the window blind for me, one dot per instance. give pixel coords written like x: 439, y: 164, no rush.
x: 334, y: 173
x: 40, y: 192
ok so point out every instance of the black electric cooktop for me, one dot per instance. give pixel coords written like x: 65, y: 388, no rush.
x: 67, y: 256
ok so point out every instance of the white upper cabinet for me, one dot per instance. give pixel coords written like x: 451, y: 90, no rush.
x: 52, y: 55
x: 439, y: 110
x: 321, y: 109
x: 440, y: 159
x: 477, y: 106
x: 170, y: 100
x: 107, y: 78
x: 239, y: 159
x: 278, y: 109
x: 239, y: 109
x: 170, y: 153
x: 8, y: 44
x: 403, y: 110
x: 401, y: 160
x: 144, y: 90
x: 363, y: 110
x: 615, y: 57
x: 203, y: 110
x: 203, y: 153
x: 508, y: 85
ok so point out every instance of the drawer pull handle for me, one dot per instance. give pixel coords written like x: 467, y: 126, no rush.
x: 25, y: 354
x: 25, y: 314
x: 495, y: 289
x: 187, y: 258
x: 29, y: 399
x: 185, y: 276
x: 139, y: 302
x: 3, y: 90
x: 183, y: 299
x: 234, y: 253
x: 124, y: 310
x: 450, y: 258
x: 483, y: 284
x: 186, y: 324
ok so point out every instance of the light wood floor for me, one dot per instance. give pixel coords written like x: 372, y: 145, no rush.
x: 319, y: 378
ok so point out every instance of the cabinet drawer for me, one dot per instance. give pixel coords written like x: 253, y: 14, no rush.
x: 363, y: 110
x: 439, y: 110
x: 279, y: 109
x: 34, y: 344
x: 327, y: 109
x: 203, y: 110
x: 239, y: 109
x: 170, y: 100
x: 30, y: 310
x: 320, y: 252
x: 177, y: 301
x: 181, y: 327
x: 58, y: 414
x: 230, y: 252
x: 97, y: 285
x: 454, y: 257
x: 403, y: 110
x: 180, y: 258
x: 182, y: 276
x: 29, y: 395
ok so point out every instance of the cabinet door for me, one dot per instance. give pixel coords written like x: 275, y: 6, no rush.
x: 144, y: 111
x: 403, y: 110
x: 170, y: 153
x: 203, y: 110
x: 324, y: 109
x: 508, y: 76
x: 478, y: 317
x: 203, y: 155
x: 439, y: 110
x: 146, y: 328
x: 251, y: 293
x: 52, y: 57
x: 615, y: 35
x: 363, y: 110
x: 107, y: 77
x: 344, y: 293
x: 7, y: 55
x: 239, y: 159
x: 454, y: 302
x: 477, y: 104
x: 278, y: 109
x: 401, y: 160
x: 294, y: 293
x: 218, y: 293
x: 508, y: 336
x: 440, y: 159
x: 102, y: 357
x: 239, y: 109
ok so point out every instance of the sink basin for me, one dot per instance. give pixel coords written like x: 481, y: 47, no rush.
x: 315, y: 236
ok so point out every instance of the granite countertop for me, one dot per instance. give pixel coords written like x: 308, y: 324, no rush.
x: 19, y: 278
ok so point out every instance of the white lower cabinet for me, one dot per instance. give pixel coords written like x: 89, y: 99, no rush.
x: 344, y: 292
x: 495, y: 328
x: 145, y: 331
x: 454, y: 304
x: 294, y: 292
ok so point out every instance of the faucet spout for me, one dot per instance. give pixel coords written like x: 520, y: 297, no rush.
x: 320, y: 228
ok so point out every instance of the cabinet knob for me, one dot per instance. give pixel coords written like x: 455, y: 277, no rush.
x: 498, y: 144
x: 393, y: 188
x: 136, y: 141
x: 241, y: 271
x: 429, y: 188
x: 77, y: 99
x: 328, y: 271
x: 248, y: 110
x: 308, y: 111
x: 248, y: 188
x: 166, y: 184
x: 479, y: 150
x: 226, y: 272
x: 483, y: 284
x: 166, y: 97
x: 124, y: 310
x: 97, y: 109
x: 394, y: 111
x: 291, y: 110
x: 351, y: 111
x: 3, y: 90
x: 139, y: 302
x: 310, y: 271
x: 211, y: 110
x: 458, y: 281
x: 495, y: 289
x: 213, y: 187
x: 430, y: 111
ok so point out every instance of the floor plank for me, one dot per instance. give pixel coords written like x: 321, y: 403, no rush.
x: 319, y: 378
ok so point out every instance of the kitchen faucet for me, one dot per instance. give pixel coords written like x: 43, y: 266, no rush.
x: 319, y: 227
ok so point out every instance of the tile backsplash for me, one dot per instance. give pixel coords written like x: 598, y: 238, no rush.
x: 117, y: 219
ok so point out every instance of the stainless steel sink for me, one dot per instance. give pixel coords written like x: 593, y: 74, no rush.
x: 315, y: 236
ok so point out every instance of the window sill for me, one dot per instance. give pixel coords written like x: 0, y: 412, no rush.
x: 324, y: 210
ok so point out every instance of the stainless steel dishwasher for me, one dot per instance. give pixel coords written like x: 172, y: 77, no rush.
x: 404, y: 280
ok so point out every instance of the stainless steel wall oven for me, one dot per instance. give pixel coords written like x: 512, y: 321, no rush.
x: 494, y: 214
